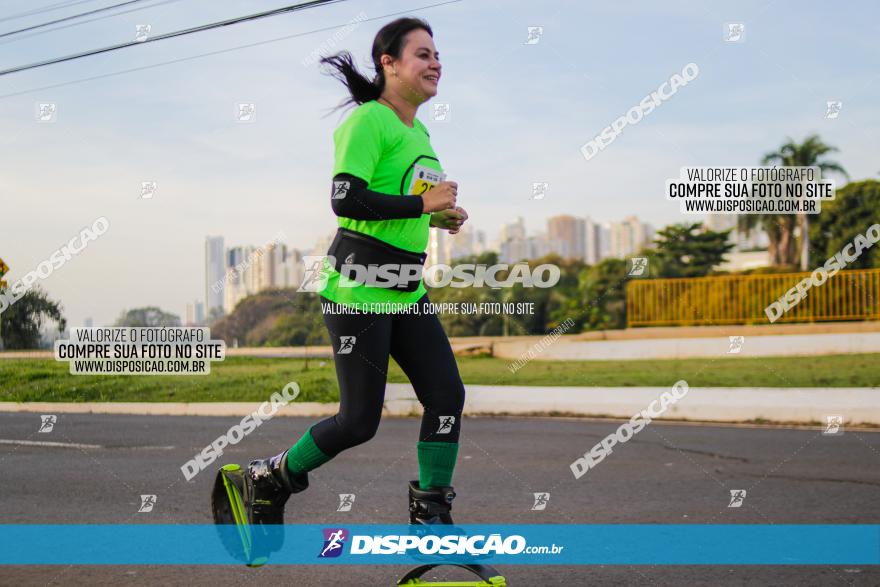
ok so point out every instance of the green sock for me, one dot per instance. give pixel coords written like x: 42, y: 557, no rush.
x: 305, y: 455
x: 436, y: 463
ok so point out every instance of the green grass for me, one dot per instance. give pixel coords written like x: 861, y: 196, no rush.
x: 254, y: 379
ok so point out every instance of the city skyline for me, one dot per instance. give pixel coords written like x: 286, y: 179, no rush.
x: 232, y: 273
x: 235, y: 272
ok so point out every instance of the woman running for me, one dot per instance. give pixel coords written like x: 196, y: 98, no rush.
x: 388, y: 189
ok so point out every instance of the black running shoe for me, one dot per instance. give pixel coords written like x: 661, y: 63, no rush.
x: 430, y: 506
x: 253, y: 500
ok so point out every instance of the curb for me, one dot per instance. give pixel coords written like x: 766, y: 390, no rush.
x: 722, y: 404
x: 806, y: 405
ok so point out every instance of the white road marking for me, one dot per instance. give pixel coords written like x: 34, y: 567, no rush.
x: 78, y: 445
x: 46, y: 443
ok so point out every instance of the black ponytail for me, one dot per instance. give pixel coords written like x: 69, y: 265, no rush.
x: 389, y: 40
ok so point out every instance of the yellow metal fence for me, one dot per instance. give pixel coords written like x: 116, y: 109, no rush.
x: 742, y: 299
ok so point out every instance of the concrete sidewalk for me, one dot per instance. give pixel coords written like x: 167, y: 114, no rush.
x: 738, y: 404
x: 789, y: 345
x: 780, y: 340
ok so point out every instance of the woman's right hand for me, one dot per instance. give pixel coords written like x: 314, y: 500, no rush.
x: 440, y: 197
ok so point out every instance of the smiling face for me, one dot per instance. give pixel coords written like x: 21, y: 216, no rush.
x: 418, y: 69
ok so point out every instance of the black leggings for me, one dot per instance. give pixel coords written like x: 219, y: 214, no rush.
x: 419, y: 345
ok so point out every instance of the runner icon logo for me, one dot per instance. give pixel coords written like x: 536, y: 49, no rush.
x: 147, y: 503
x: 639, y: 264
x: 735, y: 32
x: 535, y: 33
x: 142, y: 32
x: 441, y: 112
x: 47, y: 423
x: 316, y: 272
x: 334, y: 540
x: 446, y: 424
x: 833, y: 425
x: 346, y: 500
x: 541, y: 500
x: 736, y: 344
x: 833, y: 108
x: 346, y: 345
x: 539, y: 189
x: 737, y: 496
x: 340, y: 190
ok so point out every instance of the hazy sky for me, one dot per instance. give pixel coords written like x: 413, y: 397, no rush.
x: 519, y: 114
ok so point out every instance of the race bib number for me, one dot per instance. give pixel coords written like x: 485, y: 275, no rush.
x: 424, y: 178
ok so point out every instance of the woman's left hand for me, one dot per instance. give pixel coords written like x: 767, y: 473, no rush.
x: 451, y: 219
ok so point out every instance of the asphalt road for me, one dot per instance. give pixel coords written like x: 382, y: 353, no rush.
x: 668, y: 473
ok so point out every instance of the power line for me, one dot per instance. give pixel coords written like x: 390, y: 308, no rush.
x: 189, y: 31
x: 50, y: 8
x: 72, y: 17
x: 218, y: 52
x: 67, y: 26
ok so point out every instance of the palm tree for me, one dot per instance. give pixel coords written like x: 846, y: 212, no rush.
x: 780, y: 227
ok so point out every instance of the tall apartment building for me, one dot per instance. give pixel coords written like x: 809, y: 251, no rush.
x: 513, y: 245
x: 628, y: 237
x: 469, y: 241
x: 249, y: 270
x: 574, y: 237
x: 539, y: 245
x: 240, y: 278
x: 592, y: 241
x: 755, y: 239
x: 446, y: 248
x: 294, y: 270
x: 195, y: 314
x: 567, y: 236
x: 215, y: 269
x: 322, y: 244
x: 514, y: 230
x: 438, y: 247
x: 269, y: 264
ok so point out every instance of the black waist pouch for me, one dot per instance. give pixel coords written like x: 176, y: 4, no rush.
x: 371, y: 261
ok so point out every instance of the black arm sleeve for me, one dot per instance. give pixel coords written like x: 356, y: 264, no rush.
x: 351, y: 198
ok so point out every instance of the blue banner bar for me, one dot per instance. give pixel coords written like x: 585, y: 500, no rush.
x: 496, y: 544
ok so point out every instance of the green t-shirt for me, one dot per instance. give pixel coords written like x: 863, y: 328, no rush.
x: 376, y: 146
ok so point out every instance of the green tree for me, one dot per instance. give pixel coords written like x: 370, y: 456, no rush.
x: 214, y: 314
x: 551, y: 305
x: 274, y: 317
x: 146, y: 317
x: 484, y: 258
x: 301, y: 323
x: 780, y: 227
x: 456, y: 324
x: 603, y: 297
x: 20, y: 323
x: 856, y: 207
x: 683, y: 250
